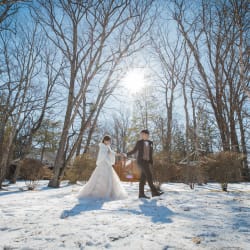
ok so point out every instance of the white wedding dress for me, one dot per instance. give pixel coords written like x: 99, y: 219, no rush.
x: 104, y: 183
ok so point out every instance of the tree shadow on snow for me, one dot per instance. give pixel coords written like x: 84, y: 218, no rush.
x: 83, y: 206
x: 7, y: 192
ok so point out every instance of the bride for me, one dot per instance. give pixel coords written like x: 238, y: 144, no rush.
x: 104, y: 182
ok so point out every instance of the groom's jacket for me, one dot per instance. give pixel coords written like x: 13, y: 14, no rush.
x: 144, y: 150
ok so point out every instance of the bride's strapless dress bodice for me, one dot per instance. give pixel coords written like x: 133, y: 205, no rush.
x: 104, y: 182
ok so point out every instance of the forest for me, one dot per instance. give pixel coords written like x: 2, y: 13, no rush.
x: 72, y: 71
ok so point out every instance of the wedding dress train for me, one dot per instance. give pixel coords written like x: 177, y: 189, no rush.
x: 104, y: 183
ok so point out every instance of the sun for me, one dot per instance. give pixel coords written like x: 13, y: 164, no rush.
x: 134, y: 80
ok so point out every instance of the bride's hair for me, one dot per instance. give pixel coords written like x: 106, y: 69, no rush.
x: 106, y: 138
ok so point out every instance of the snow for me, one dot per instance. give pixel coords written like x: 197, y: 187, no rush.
x: 203, y: 218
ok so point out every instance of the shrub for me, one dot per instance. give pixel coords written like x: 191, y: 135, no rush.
x: 224, y: 167
x: 81, y: 169
x: 31, y: 170
x: 47, y: 172
x: 193, y: 172
x: 190, y: 170
x: 164, y: 171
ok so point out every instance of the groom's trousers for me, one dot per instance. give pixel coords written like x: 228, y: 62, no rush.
x: 146, y: 175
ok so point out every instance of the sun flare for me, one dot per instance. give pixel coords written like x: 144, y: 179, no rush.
x: 134, y: 80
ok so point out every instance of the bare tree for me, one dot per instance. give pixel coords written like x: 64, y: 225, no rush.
x: 212, y: 35
x: 21, y: 100
x: 121, y: 131
x: 44, y: 102
x: 145, y: 109
x: 170, y: 59
x: 240, y: 17
x: 93, y: 37
x: 7, y: 10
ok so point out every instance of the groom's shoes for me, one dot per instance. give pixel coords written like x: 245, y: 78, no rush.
x: 144, y: 196
x: 158, y: 193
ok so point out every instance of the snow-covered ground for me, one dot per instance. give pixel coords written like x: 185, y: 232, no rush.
x: 204, y: 218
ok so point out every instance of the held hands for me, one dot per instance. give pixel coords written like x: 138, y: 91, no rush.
x: 123, y: 155
x: 117, y: 154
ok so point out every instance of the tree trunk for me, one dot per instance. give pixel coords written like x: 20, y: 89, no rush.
x: 60, y: 156
x: 169, y: 105
x: 4, y: 158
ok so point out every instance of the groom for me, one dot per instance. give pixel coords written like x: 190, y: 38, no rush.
x: 144, y: 150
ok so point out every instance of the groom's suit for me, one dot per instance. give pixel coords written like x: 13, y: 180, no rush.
x: 144, y: 150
